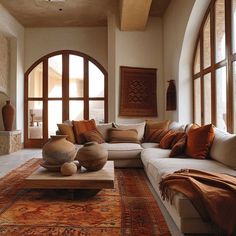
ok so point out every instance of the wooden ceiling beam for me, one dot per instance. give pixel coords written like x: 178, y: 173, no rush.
x: 134, y: 14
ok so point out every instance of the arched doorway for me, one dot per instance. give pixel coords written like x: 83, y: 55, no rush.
x: 63, y: 85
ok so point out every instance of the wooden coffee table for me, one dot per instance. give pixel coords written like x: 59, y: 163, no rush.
x: 44, y: 179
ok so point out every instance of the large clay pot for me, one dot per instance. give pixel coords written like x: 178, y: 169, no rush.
x: 92, y: 156
x: 8, y: 115
x: 58, y: 150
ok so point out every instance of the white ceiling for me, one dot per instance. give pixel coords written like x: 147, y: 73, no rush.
x: 66, y: 13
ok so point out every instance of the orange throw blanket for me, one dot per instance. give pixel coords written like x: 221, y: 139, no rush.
x: 212, y: 194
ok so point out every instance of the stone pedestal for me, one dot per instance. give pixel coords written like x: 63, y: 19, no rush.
x: 10, y: 141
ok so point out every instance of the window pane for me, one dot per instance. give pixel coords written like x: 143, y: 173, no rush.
x: 96, y: 111
x: 197, y: 60
x: 234, y: 25
x: 220, y: 30
x: 234, y: 97
x: 35, y: 120
x: 55, y: 76
x: 96, y: 81
x: 221, y: 98
x: 207, y: 99
x: 54, y: 116
x: 76, y: 75
x: 35, y: 82
x: 207, y: 43
x: 197, y: 101
x: 76, y: 110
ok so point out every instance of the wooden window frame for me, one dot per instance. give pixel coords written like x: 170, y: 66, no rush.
x: 33, y: 143
x: 228, y: 62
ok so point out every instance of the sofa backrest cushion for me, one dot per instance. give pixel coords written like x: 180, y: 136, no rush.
x: 224, y: 148
x: 103, y: 130
x: 81, y: 127
x: 123, y: 136
x: 199, y: 141
x: 176, y: 126
x: 140, y: 127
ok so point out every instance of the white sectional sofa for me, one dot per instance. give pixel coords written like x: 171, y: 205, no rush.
x: 157, y: 163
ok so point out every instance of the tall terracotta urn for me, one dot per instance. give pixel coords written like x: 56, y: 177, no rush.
x: 8, y: 115
x: 92, y: 156
x: 58, y: 150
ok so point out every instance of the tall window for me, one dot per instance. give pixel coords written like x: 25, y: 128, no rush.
x: 64, y: 85
x: 214, y: 67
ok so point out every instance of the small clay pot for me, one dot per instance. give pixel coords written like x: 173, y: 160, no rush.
x: 68, y: 168
x: 58, y: 150
x: 92, y: 156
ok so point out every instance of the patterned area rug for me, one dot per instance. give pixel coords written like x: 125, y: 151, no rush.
x: 129, y: 209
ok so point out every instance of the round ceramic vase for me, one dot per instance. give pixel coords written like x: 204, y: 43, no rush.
x: 58, y: 150
x: 92, y: 156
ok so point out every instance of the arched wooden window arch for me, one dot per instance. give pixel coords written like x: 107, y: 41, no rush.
x: 63, y: 85
x: 214, y: 67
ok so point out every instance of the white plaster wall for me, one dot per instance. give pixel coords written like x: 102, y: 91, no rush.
x: 89, y: 40
x: 174, y: 25
x: 140, y: 49
x: 15, y: 32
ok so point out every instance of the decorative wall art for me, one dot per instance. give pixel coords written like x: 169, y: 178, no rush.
x: 171, y: 96
x: 4, y: 63
x: 138, y: 92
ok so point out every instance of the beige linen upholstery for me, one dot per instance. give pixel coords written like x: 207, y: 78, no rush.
x: 149, y: 145
x: 140, y: 127
x: 103, y: 129
x: 223, y: 148
x: 176, y: 126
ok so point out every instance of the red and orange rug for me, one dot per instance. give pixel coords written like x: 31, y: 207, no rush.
x: 129, y: 209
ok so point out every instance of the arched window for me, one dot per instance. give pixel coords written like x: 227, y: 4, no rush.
x: 63, y: 85
x: 214, y: 67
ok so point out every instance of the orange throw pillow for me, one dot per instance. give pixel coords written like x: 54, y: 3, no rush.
x: 179, y: 147
x: 93, y: 136
x: 66, y: 129
x: 82, y: 126
x: 152, y: 125
x: 156, y: 135
x: 167, y: 140
x: 179, y: 136
x: 199, y: 141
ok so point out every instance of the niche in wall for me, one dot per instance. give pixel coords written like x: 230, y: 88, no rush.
x: 4, y: 62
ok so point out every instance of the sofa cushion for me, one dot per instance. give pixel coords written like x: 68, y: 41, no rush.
x: 149, y: 154
x: 103, y: 129
x: 199, y: 141
x: 152, y: 125
x: 224, y: 148
x: 123, y: 136
x: 123, y: 151
x: 176, y: 126
x: 150, y: 145
x: 66, y: 129
x: 93, y: 136
x: 81, y: 127
x: 139, y: 127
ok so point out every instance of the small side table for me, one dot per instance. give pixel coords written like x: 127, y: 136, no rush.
x: 10, y: 141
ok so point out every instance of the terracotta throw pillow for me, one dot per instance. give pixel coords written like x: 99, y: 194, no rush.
x: 179, y: 147
x: 199, y: 141
x: 93, y: 136
x: 66, y: 129
x: 155, y: 136
x: 152, y: 125
x: 123, y: 136
x: 82, y: 126
x: 178, y: 136
x: 167, y: 140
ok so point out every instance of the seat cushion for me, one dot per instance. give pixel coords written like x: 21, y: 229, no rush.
x: 123, y: 151
x: 151, y: 154
x: 150, y: 145
x: 157, y: 167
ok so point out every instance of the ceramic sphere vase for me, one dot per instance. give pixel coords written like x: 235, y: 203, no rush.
x: 8, y: 115
x: 58, y: 150
x: 92, y: 156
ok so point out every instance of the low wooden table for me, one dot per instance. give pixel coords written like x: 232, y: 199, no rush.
x: 44, y: 179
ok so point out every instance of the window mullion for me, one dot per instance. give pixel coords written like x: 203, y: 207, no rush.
x: 86, y: 89
x: 65, y: 86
